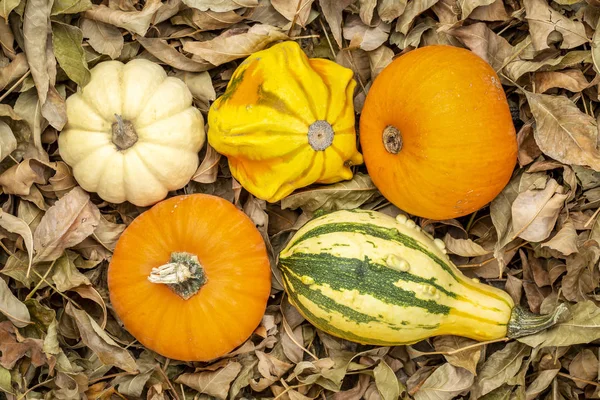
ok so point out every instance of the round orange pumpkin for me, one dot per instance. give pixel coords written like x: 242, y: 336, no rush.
x: 190, y: 277
x: 437, y: 134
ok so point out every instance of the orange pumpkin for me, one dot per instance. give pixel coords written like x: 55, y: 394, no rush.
x: 437, y: 134
x: 190, y: 277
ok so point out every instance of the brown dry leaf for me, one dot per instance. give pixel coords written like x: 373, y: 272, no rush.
x: 65, y: 274
x: 389, y: 10
x: 109, y: 352
x: 13, y: 71
x: 380, y: 58
x: 468, y: 6
x: 134, y: 21
x: 235, y: 43
x: 343, y: 195
x: 570, y: 79
x: 565, y: 240
x: 582, y: 274
x: 563, y: 132
x: 499, y: 368
x: 492, y: 12
x: 412, y: 10
x: 167, y: 54
x: 540, y: 383
x: 535, y: 211
x: 464, y: 247
x: 485, y: 43
x: 544, y: 20
x: 8, y: 142
x: 467, y: 359
x: 271, y: 369
x: 104, y: 38
x: 294, y: 10
x: 13, y: 347
x: 332, y: 11
x: 19, y: 178
x: 386, y: 381
x: 12, y: 307
x: 220, y: 5
x: 73, y: 218
x: 201, y: 86
x: 211, y: 20
x: 36, y: 26
x: 107, y: 233
x: 584, y: 366
x: 17, y: 225
x: 363, y: 36
x: 445, y: 383
x: 214, y: 383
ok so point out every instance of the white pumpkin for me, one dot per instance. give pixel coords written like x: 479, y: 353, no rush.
x: 132, y: 133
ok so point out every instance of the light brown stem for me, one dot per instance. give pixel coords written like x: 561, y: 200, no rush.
x: 392, y: 139
x: 123, y: 133
x: 183, y: 274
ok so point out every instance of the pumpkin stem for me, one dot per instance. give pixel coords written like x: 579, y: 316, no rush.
x: 320, y: 135
x: 123, y: 133
x: 523, y: 322
x: 392, y: 139
x: 183, y: 274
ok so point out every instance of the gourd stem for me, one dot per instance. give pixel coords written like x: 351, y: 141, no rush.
x: 392, y: 139
x: 123, y: 133
x: 320, y: 135
x: 524, y: 323
x: 183, y: 274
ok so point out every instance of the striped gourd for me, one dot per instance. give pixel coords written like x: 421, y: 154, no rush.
x: 372, y: 279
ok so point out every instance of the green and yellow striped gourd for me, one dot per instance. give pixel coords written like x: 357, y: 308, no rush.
x: 373, y: 279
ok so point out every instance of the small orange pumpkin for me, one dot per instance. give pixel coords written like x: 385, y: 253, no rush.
x: 190, y: 278
x: 437, y: 134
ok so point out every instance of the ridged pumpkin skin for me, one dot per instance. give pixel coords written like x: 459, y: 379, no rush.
x: 369, y: 278
x: 458, y: 147
x: 230, y: 305
x: 168, y: 133
x: 263, y: 121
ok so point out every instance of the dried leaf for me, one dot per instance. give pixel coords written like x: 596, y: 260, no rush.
x: 36, y: 26
x: 412, y: 10
x: 570, y: 79
x: 17, y: 225
x: 493, y: 12
x: 584, y: 366
x: 484, y: 42
x: 499, y: 368
x: 167, y: 54
x: 534, y: 212
x: 389, y: 10
x: 73, y: 218
x: 8, y: 142
x: 467, y: 6
x: 565, y: 240
x: 464, y: 247
x: 108, y: 352
x: 332, y: 11
x: 134, y: 21
x: 543, y: 20
x: 220, y: 5
x: 201, y: 86
x: 342, y: 195
x: 6, y: 6
x: 235, y: 43
x: 363, y: 36
x: 294, y: 10
x: 12, y: 307
x: 583, y: 326
x: 70, y: 6
x: 540, y: 384
x: 104, y: 38
x: 65, y: 274
x: 13, y: 71
x: 214, y: 383
x: 467, y: 359
x: 445, y: 383
x: 13, y: 347
x: 20, y: 178
x: 386, y: 381
x: 66, y: 40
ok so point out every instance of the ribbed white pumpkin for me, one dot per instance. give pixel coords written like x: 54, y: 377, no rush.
x: 154, y: 149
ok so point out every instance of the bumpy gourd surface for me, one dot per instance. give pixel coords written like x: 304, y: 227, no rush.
x: 459, y: 145
x: 367, y: 277
x: 262, y: 122
x: 230, y: 305
x: 170, y: 133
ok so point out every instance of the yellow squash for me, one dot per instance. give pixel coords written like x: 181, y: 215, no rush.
x: 285, y: 122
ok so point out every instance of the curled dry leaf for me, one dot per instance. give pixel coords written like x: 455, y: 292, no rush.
x: 412, y: 10
x: 332, y: 11
x: 445, y: 383
x: 19, y: 178
x: 464, y: 247
x: 485, y: 43
x: 294, y: 10
x: 565, y: 240
x: 544, y: 20
x: 468, y: 6
x: 17, y: 225
x: 386, y: 381
x: 220, y: 5
x: 134, y: 21
x: 73, y: 218
x: 213, y: 383
x: 66, y: 41
x: 8, y: 142
x: 499, y: 368
x: 570, y: 79
x: 12, y: 307
x: 467, y: 359
x: 104, y: 38
x: 342, y: 195
x: 363, y: 36
x: 209, y: 167
x: 235, y: 43
x: 167, y: 54
x: 13, y: 347
x: 13, y: 71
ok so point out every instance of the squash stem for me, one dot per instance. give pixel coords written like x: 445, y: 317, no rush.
x: 183, y: 274
x: 320, y: 135
x: 392, y: 139
x: 123, y: 133
x: 523, y: 322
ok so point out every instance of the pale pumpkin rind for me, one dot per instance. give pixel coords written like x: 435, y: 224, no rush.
x: 170, y: 132
x: 262, y: 122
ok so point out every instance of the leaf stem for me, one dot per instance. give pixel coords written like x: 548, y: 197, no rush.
x: 469, y: 347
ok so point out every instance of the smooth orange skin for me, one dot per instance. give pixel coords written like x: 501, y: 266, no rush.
x: 226, y: 310
x: 459, y: 143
